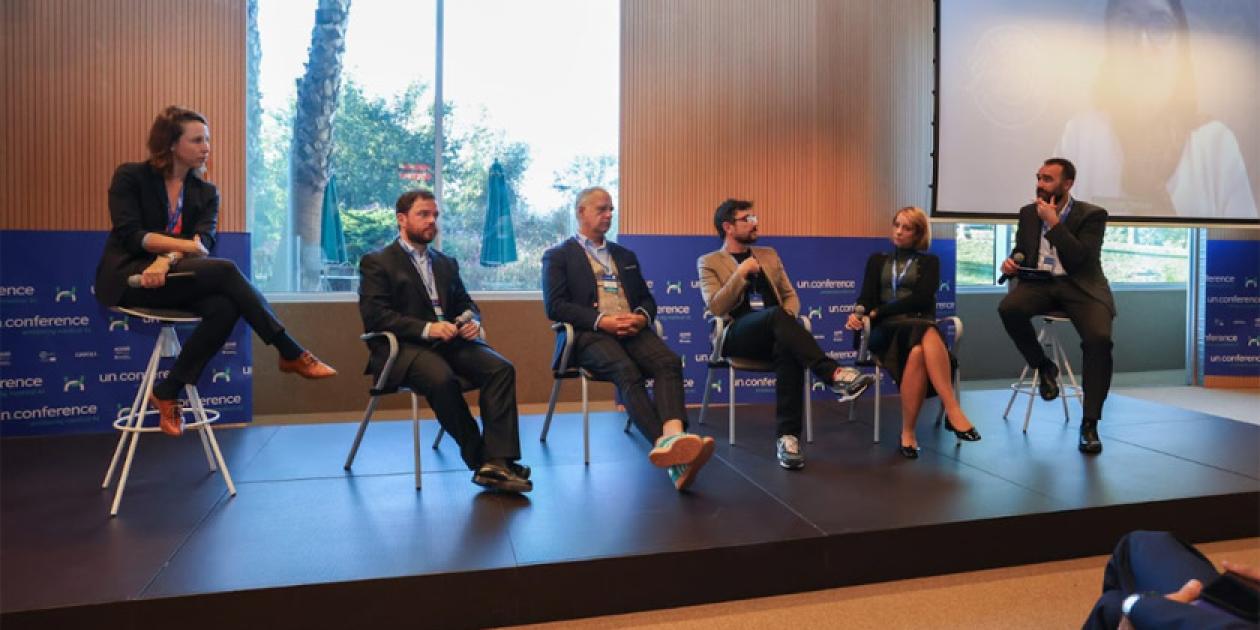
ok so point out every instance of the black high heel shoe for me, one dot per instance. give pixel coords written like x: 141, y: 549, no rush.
x: 970, y: 435
x: 909, y: 452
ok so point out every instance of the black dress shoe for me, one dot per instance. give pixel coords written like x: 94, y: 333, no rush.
x: 1090, y: 442
x: 1048, y: 381
x: 521, y: 470
x: 909, y: 452
x: 496, y: 477
x: 970, y: 435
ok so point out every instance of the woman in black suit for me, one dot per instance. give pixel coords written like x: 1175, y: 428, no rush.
x: 165, y: 218
x: 899, y: 295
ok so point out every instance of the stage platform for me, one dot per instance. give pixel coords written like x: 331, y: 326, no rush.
x: 306, y: 545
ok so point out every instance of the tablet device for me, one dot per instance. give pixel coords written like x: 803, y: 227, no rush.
x: 1031, y: 273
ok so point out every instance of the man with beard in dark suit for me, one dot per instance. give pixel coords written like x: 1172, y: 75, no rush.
x: 414, y: 291
x: 1062, y: 237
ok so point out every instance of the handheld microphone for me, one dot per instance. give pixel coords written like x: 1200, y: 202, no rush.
x: 1018, y: 257
x: 464, y: 318
x: 133, y: 280
x: 858, y: 340
x: 859, y: 310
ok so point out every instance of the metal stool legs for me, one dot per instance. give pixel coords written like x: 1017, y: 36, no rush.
x: 130, y: 423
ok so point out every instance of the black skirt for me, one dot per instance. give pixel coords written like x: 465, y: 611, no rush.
x: 894, y: 338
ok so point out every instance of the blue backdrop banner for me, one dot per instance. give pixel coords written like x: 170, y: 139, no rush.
x: 827, y: 275
x: 67, y: 364
x: 1231, y: 340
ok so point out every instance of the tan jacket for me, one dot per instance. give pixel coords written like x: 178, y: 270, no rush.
x: 722, y: 288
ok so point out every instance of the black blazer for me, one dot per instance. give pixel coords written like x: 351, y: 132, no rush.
x: 137, y: 206
x: 393, y: 298
x: 922, y: 300
x: 571, y: 294
x: 1078, y: 239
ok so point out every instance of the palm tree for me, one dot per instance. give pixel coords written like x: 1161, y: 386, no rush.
x: 312, y: 133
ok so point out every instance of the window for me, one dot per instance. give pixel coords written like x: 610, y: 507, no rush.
x: 532, y: 87
x: 1130, y: 254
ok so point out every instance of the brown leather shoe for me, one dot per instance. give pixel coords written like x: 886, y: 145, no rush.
x: 307, y: 366
x: 170, y: 415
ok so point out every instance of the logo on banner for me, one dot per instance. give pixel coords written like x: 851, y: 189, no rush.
x: 673, y: 286
x: 66, y: 294
x: 73, y: 384
x: 673, y: 310
x: 944, y: 286
x: 837, y: 336
x: 31, y: 384
x: 6, y: 358
x: 224, y: 375
x: 45, y: 412
x: 684, y: 336
x: 122, y: 353
x: 840, y: 308
x: 1250, y: 282
x: 716, y: 386
x: 229, y: 348
x: 1253, y: 341
x: 818, y: 386
x: 815, y: 312
x: 46, y: 356
x: 1220, y: 279
x: 119, y: 323
x: 1221, y: 338
x: 827, y: 283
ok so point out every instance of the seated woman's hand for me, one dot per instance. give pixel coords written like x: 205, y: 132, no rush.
x: 154, y: 275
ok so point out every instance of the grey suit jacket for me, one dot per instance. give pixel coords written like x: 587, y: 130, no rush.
x: 723, y: 289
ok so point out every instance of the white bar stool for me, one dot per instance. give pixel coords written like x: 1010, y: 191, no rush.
x: 130, y: 422
x: 1054, y: 350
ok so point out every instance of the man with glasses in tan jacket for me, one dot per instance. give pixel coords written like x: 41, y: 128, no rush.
x: 748, y: 286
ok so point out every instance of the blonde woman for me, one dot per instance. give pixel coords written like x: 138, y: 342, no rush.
x: 899, y: 295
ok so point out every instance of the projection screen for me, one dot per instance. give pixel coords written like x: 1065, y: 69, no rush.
x: 1156, y: 102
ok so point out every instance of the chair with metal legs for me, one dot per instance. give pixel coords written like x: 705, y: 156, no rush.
x: 718, y: 360
x: 1029, y: 386
x: 566, y: 368
x: 130, y: 422
x: 867, y: 360
x: 378, y: 390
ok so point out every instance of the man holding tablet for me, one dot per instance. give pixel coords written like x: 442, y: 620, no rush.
x: 1059, y: 241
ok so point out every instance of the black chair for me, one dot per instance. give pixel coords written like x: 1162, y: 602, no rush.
x: 563, y: 369
x: 718, y: 360
x: 379, y: 389
x: 867, y: 360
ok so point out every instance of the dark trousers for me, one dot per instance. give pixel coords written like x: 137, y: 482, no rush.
x: 628, y: 362
x: 220, y: 294
x: 774, y: 335
x: 1090, y: 317
x: 1146, y: 562
x: 435, y: 373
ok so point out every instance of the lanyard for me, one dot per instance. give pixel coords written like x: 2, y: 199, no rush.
x: 897, y: 277
x: 590, y: 249
x: 175, y: 220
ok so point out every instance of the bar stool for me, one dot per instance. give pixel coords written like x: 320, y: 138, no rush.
x: 1054, y: 350
x: 130, y: 422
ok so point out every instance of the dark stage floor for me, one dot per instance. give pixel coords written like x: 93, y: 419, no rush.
x: 305, y: 544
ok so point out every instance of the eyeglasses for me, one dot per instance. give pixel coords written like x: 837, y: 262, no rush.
x: 750, y: 218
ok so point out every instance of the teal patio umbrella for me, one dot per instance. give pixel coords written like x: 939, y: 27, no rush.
x: 498, y: 242
x: 332, y: 240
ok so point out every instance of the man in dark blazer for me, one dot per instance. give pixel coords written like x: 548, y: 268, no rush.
x: 1063, y: 237
x: 414, y: 291
x: 596, y: 285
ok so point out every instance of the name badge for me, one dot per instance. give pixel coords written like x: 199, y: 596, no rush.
x: 609, y: 282
x: 1047, y: 262
x: 755, y: 301
x: 437, y: 310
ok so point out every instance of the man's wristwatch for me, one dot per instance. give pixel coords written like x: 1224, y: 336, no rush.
x: 1132, y: 600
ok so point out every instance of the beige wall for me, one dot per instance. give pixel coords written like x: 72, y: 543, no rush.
x: 82, y: 81
x: 817, y: 110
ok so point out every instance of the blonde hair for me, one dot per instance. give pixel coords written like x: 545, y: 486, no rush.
x: 918, y: 219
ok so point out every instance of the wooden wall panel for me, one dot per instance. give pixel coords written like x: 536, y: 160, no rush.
x: 82, y: 81
x: 817, y: 110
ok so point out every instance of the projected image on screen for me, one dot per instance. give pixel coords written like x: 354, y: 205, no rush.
x: 1155, y: 101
